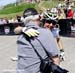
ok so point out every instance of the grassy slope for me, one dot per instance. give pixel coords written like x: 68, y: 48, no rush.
x: 15, y: 9
x: 12, y: 10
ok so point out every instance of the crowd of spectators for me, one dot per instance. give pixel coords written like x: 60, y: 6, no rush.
x: 7, y: 25
x: 10, y: 20
x: 3, y: 21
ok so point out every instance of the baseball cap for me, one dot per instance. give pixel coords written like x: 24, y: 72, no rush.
x: 29, y: 12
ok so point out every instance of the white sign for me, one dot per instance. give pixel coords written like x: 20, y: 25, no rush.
x: 7, y: 30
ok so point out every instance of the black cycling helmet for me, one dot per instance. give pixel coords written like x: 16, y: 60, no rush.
x: 30, y: 11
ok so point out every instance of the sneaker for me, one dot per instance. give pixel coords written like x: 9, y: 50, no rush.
x: 14, y: 58
x: 62, y: 56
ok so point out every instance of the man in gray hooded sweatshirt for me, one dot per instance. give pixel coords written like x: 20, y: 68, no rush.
x: 28, y: 61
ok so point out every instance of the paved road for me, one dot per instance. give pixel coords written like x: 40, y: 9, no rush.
x: 8, y: 48
x: 69, y: 46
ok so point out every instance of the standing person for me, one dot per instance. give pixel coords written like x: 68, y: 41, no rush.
x: 69, y: 20
x: 70, y: 13
x: 51, y: 25
x: 28, y: 61
x: 50, y: 22
x: 18, y: 18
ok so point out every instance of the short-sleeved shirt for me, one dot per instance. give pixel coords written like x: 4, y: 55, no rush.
x: 55, y: 32
x: 70, y: 14
x: 28, y: 59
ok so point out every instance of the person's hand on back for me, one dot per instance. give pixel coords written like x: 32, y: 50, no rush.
x: 30, y: 32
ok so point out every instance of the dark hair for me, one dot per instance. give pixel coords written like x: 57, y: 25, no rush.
x: 19, y: 18
x: 30, y: 11
x: 51, y: 21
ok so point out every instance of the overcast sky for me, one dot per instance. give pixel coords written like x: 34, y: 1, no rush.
x: 4, y: 2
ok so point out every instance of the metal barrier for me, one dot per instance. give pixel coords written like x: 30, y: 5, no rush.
x: 64, y: 24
